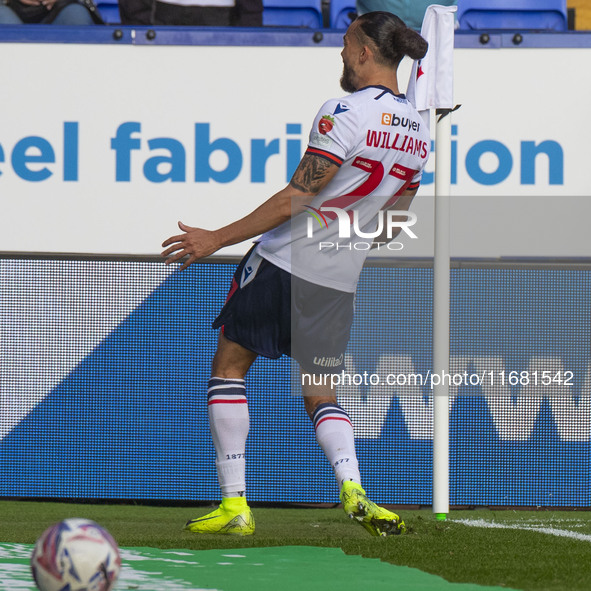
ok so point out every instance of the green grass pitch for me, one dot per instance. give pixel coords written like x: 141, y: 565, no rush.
x: 529, y: 550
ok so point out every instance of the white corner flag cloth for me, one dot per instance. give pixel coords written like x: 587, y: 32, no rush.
x: 431, y: 79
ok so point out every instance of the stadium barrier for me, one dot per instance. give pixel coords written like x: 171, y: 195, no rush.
x: 105, y: 353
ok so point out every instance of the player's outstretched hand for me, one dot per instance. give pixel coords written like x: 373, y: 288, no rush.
x: 195, y: 243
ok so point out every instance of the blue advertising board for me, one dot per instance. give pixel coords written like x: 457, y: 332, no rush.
x: 105, y: 366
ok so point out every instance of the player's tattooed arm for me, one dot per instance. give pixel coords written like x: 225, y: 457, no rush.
x: 313, y: 174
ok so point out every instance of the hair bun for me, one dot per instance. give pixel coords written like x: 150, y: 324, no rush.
x: 413, y: 44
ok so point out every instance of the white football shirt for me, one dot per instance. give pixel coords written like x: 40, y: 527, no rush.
x: 381, y: 145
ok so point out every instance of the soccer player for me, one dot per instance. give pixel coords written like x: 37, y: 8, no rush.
x: 293, y: 293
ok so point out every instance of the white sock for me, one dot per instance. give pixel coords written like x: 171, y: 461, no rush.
x: 334, y: 433
x: 229, y: 423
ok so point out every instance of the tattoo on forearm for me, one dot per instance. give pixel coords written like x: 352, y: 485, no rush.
x: 310, y: 173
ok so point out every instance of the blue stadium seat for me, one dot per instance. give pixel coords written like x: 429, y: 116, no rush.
x: 293, y: 13
x: 339, y: 13
x: 512, y: 14
x: 109, y: 10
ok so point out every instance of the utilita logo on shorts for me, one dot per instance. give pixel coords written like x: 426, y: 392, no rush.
x: 329, y: 361
x: 350, y: 232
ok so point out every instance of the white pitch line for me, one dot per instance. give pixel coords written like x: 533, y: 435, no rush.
x: 563, y: 533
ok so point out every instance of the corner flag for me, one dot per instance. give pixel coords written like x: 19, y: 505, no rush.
x: 431, y: 80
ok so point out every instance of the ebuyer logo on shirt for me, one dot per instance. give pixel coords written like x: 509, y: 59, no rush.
x: 391, y: 119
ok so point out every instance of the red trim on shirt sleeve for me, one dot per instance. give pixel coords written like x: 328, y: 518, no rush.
x: 414, y: 185
x: 323, y: 154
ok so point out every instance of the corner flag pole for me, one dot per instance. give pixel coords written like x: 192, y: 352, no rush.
x: 441, y: 289
x: 431, y: 87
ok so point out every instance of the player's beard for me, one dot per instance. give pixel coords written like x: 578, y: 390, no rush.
x: 347, y: 79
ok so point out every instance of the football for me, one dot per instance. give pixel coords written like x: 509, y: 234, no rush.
x: 75, y: 555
